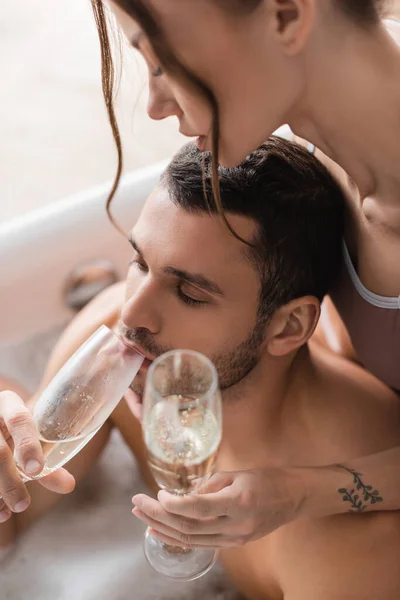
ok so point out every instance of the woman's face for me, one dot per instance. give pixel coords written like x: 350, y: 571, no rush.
x: 241, y: 56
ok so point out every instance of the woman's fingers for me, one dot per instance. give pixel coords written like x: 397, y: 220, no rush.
x: 175, y: 538
x: 197, y: 506
x: 232, y: 509
x: 152, y: 514
x: 159, y: 528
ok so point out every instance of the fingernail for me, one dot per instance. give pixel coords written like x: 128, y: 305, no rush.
x: 136, y: 500
x: 32, y: 467
x: 21, y: 506
x: 5, y: 514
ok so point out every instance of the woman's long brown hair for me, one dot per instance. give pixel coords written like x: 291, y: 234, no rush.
x: 161, y: 48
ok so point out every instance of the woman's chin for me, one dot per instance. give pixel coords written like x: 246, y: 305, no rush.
x: 135, y: 403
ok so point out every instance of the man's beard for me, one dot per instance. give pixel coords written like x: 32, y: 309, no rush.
x: 232, y: 366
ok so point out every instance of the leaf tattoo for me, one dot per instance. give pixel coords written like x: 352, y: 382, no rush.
x: 366, y: 495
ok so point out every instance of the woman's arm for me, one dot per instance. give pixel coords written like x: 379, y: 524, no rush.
x: 235, y: 508
x: 375, y: 479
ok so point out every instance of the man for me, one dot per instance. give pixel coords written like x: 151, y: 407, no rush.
x: 245, y: 289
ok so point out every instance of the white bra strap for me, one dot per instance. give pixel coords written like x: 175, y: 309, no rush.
x: 370, y: 297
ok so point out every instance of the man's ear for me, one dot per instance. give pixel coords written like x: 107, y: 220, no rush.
x: 293, y: 21
x: 292, y: 325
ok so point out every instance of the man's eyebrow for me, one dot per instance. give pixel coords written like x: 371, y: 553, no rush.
x: 135, y: 39
x: 195, y: 279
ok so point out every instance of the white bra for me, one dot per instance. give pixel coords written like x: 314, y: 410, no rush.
x: 370, y: 297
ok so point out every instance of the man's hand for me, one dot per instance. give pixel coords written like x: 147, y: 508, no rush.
x: 19, y: 439
x: 230, y: 510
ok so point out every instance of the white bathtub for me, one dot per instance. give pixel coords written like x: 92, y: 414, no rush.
x: 40, y: 250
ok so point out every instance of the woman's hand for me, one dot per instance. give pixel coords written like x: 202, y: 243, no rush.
x: 230, y: 510
x: 19, y: 439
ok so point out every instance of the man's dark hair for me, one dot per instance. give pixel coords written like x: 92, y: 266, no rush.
x: 296, y: 203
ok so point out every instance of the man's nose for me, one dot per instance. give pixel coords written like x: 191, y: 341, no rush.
x: 140, y: 310
x: 161, y: 103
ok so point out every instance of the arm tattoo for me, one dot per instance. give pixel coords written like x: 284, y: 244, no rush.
x: 366, y: 494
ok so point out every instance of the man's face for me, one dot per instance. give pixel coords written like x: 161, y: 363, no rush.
x: 191, y: 286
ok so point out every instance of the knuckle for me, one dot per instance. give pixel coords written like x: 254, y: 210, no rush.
x: 246, y: 499
x: 187, y: 526
x: 152, y: 513
x: 19, y: 419
x: 184, y: 538
x: 201, y: 509
x: 27, y: 445
x: 11, y: 493
x: 4, y: 454
x: 167, y: 505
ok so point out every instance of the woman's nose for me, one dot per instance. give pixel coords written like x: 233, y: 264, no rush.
x: 161, y: 103
x: 140, y: 310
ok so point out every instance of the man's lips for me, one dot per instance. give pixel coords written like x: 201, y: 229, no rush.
x: 148, y: 358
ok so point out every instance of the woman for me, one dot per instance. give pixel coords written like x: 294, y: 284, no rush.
x: 232, y: 71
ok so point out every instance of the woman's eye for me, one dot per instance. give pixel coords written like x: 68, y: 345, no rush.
x: 188, y: 299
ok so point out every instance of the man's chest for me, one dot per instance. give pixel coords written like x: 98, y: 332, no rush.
x: 346, y: 557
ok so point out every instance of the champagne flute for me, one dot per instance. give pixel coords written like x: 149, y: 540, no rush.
x: 81, y: 397
x: 182, y: 424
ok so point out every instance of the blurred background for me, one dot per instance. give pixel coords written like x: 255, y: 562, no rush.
x: 55, y: 140
x: 54, y: 133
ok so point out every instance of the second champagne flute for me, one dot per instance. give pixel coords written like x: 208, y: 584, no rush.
x: 182, y: 424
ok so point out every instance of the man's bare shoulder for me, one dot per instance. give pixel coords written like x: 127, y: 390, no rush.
x: 350, y: 412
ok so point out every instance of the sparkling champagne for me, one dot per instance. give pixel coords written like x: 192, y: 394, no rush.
x: 56, y: 454
x: 182, y: 439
